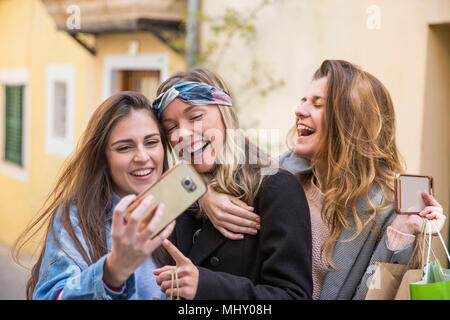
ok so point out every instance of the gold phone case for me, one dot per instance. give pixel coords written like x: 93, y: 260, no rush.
x: 399, y: 203
x: 178, y: 188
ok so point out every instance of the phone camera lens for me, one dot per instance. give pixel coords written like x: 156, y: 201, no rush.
x: 188, y: 184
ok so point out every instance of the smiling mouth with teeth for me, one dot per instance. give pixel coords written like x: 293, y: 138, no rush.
x: 303, y: 130
x: 141, y: 173
x: 198, y: 147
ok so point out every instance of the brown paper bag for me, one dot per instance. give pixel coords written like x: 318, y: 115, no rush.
x: 410, y: 276
x: 385, y: 281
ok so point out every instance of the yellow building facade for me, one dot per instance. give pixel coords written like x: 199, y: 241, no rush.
x: 405, y: 43
x: 50, y: 69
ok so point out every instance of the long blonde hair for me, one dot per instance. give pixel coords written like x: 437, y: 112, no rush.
x: 357, y: 149
x: 234, y: 174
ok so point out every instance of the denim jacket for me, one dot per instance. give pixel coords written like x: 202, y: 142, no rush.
x: 60, y: 277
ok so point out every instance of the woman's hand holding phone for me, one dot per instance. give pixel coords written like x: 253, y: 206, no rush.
x: 131, y: 247
x: 413, y: 223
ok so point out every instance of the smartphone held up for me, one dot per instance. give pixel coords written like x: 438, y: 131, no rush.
x: 178, y: 188
x: 408, y: 192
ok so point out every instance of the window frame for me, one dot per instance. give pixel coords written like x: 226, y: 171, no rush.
x: 15, y: 77
x: 54, y: 73
x: 10, y: 157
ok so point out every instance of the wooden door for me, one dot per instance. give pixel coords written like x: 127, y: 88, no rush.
x: 145, y: 82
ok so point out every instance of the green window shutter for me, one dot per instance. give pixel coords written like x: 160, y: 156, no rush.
x: 13, y: 123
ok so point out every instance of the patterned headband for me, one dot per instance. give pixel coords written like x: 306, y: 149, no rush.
x: 194, y: 93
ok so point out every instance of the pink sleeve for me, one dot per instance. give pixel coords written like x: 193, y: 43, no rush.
x: 397, y: 240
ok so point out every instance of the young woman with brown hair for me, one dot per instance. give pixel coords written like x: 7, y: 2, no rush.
x: 343, y: 150
x: 196, y: 111
x: 90, y: 253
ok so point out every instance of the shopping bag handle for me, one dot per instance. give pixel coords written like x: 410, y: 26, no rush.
x: 429, y: 224
x: 432, y: 251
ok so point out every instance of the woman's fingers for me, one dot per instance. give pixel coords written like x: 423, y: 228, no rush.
x: 183, y: 277
x: 240, y: 209
x: 241, y: 204
x: 428, y: 210
x: 171, y: 287
x: 435, y: 216
x: 137, y: 215
x: 236, y: 219
x: 433, y: 212
x: 165, y: 285
x: 156, y: 220
x: 230, y: 235
x: 235, y: 224
x: 425, y: 211
x: 430, y: 200
x: 153, y: 224
x: 161, y: 270
x: 125, y: 202
x: 239, y: 229
x: 168, y: 285
x: 177, y: 255
x: 232, y: 227
x: 432, y: 216
x: 239, y: 222
x: 163, y: 274
x: 120, y: 210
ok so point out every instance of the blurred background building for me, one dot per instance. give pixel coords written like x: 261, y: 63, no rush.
x: 60, y: 59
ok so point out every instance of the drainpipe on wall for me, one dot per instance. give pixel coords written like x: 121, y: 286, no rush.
x: 192, y: 32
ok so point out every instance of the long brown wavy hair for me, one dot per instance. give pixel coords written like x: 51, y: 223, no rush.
x: 239, y: 171
x: 357, y: 149
x: 85, y: 182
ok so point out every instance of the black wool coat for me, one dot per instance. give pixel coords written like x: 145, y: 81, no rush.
x: 274, y: 264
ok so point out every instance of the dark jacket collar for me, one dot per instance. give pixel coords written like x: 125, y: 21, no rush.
x: 294, y: 163
x: 208, y: 239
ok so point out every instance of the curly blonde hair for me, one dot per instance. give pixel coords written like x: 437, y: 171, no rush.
x: 357, y: 149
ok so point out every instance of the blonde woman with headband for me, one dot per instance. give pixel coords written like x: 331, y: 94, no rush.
x: 197, y: 114
x: 344, y: 153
